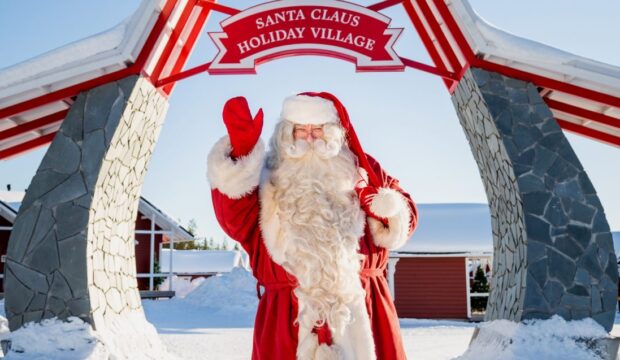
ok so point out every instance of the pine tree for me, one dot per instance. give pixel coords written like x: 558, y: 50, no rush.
x: 481, y: 285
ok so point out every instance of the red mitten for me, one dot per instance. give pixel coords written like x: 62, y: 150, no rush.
x: 366, y: 195
x: 242, y: 129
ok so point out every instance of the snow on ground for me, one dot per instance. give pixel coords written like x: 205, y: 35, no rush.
x: 552, y: 339
x: 214, y: 322
x: 55, y: 339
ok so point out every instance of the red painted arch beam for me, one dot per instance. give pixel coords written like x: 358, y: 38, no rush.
x: 26, y: 146
x: 584, y: 113
x: 589, y: 132
x: 172, y: 41
x: 189, y: 46
x: 33, y: 125
x: 426, y: 39
x: 444, y: 44
x: 384, y: 4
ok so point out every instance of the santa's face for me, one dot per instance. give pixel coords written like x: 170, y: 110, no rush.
x: 299, y: 141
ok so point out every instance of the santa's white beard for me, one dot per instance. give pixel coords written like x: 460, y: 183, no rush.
x: 321, y: 219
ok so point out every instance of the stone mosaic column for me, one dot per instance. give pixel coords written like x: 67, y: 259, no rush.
x: 71, y: 252
x: 553, y: 252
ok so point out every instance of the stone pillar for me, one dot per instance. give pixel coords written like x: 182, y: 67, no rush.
x: 553, y: 252
x: 71, y: 252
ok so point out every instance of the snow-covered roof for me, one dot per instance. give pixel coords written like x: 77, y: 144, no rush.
x: 583, y: 94
x: 502, y: 47
x: 7, y: 211
x: 451, y: 229
x: 201, y: 261
x: 9, y: 204
x: 35, y: 95
x: 84, y: 59
x: 11, y: 200
x: 164, y: 221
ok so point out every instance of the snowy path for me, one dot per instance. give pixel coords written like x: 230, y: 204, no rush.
x: 191, y: 332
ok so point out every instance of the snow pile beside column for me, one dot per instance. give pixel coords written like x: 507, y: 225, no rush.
x: 231, y: 293
x: 549, y: 339
x: 75, y: 339
x: 181, y: 286
x: 56, y: 339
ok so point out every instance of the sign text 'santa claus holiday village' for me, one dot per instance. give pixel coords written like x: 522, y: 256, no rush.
x: 280, y: 28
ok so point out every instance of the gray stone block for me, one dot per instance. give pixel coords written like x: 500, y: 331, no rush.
x: 70, y: 189
x: 537, y: 229
x: 23, y: 232
x: 45, y: 256
x: 553, y: 292
x: 561, y: 268
x: 99, y: 101
x: 72, y: 220
x: 33, y: 279
x: 64, y: 153
x: 566, y: 245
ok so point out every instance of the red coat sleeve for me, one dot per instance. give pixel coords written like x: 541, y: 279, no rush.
x: 389, y: 182
x: 238, y: 217
x: 234, y: 191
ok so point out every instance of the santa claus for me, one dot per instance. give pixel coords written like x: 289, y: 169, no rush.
x: 317, y: 217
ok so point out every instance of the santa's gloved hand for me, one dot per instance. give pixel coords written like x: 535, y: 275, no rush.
x: 243, y: 130
x: 380, y: 203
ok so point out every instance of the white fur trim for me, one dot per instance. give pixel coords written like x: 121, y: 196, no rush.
x: 270, y: 227
x: 237, y: 178
x: 307, y: 344
x: 387, y: 203
x: 326, y: 352
x: 304, y: 109
x: 357, y: 342
x: 395, y: 234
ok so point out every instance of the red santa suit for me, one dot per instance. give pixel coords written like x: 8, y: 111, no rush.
x: 247, y: 208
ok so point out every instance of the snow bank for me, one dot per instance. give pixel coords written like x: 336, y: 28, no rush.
x: 55, y: 339
x: 181, y: 285
x: 226, y: 301
x: 232, y: 292
x: 550, y: 339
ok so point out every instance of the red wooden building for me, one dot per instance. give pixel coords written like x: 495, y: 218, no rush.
x: 153, y: 228
x: 430, y: 276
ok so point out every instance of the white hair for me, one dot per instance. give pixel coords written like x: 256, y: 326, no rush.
x: 322, y: 220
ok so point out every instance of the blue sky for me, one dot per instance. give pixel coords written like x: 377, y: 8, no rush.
x: 406, y: 120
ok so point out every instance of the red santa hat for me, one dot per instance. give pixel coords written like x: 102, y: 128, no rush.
x: 317, y: 108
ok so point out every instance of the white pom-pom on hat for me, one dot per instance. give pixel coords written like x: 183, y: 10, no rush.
x: 309, y: 110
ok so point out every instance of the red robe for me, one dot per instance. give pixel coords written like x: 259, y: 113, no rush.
x: 275, y: 333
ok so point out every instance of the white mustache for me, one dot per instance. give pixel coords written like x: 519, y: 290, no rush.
x: 323, y: 149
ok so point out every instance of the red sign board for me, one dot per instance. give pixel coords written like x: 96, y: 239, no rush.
x: 301, y: 27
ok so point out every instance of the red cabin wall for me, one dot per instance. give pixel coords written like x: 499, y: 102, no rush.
x: 143, y: 249
x: 430, y: 288
x: 4, y: 245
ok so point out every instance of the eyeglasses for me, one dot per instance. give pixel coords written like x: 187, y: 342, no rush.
x: 306, y: 131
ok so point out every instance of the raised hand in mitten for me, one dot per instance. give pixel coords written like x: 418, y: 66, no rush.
x: 243, y: 130
x: 380, y: 203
